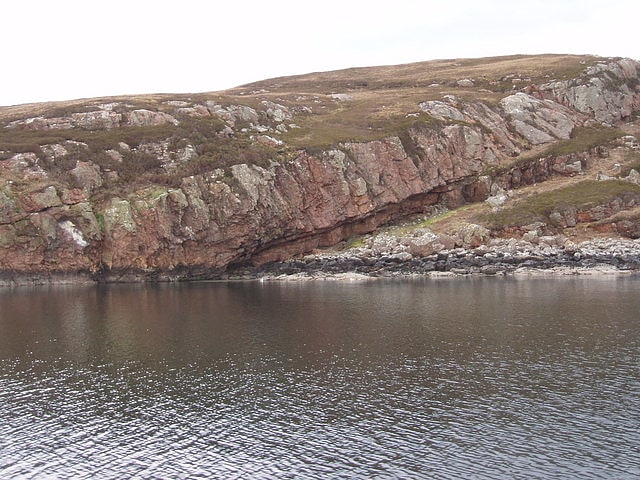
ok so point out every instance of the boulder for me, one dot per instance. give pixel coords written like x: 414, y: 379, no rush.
x: 441, y: 110
x: 54, y: 150
x: 472, y: 235
x: 497, y: 200
x: 98, y: 120
x: 25, y: 166
x: 465, y: 82
x: 146, y: 118
x: 41, y: 199
x: 539, y: 121
x: 72, y: 196
x: 531, y: 236
x: 87, y: 176
x: 9, y: 210
x: 564, y: 217
x: 383, y: 244
x: 629, y: 228
x: 233, y: 113
x: 633, y: 177
x: 276, y: 112
x: 422, y: 245
x: 570, y: 168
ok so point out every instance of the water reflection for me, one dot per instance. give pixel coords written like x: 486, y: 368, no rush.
x: 482, y: 378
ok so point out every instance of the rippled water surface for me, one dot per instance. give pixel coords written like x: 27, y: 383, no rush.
x: 463, y: 378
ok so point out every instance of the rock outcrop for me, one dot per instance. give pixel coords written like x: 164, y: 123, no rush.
x: 105, y: 119
x: 257, y: 213
x: 539, y: 121
x: 606, y: 91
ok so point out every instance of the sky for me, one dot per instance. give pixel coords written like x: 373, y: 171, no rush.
x: 68, y: 49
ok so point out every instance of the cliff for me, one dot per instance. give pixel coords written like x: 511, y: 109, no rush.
x: 186, y: 186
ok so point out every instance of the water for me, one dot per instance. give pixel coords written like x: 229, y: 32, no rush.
x: 450, y: 378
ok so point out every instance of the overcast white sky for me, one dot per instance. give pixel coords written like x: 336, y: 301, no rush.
x: 66, y: 49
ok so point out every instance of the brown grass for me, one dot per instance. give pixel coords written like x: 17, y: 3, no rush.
x: 631, y: 162
x: 422, y: 74
x: 383, y: 91
x: 382, y: 96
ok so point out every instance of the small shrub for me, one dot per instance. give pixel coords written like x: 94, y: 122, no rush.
x: 163, y: 179
x: 23, y: 141
x: 59, y: 167
x: 355, y: 242
x: 100, y: 220
x: 135, y: 164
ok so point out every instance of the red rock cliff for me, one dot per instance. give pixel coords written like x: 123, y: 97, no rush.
x: 246, y: 212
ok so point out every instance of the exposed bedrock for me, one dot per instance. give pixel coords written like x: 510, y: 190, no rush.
x: 256, y: 214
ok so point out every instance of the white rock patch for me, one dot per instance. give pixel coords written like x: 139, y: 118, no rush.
x: 74, y: 233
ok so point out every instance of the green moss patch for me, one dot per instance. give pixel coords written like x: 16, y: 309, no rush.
x: 537, y: 208
x: 583, y: 139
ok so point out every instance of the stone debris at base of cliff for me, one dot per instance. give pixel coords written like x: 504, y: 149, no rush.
x: 500, y: 257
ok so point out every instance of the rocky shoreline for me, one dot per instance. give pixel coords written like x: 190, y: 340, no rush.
x: 498, y: 257
x: 553, y: 255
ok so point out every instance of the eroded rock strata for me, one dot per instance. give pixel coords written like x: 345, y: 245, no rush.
x: 69, y: 208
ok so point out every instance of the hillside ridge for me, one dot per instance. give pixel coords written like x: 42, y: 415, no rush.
x: 170, y: 187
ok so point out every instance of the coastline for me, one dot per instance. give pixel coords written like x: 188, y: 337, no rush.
x: 498, y: 258
x: 507, y: 258
x: 523, y: 272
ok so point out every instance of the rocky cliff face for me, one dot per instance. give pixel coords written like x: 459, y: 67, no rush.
x: 64, y: 209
